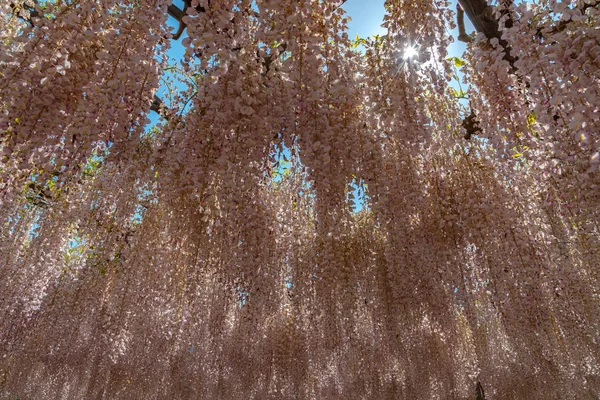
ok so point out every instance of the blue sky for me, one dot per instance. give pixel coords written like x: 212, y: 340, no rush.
x: 367, y: 16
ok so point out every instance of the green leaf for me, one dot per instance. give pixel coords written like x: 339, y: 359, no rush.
x: 531, y: 118
x: 458, y: 94
x: 358, y: 41
x: 458, y: 62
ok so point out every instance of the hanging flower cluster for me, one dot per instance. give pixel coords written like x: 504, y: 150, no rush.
x: 307, y: 221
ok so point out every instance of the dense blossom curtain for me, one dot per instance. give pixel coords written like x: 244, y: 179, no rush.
x: 308, y: 221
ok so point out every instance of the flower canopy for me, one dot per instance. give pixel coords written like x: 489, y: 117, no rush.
x: 312, y: 217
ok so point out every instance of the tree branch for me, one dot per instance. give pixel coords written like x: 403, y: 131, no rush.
x: 175, y: 12
x: 482, y: 18
x: 460, y: 17
x: 156, y: 104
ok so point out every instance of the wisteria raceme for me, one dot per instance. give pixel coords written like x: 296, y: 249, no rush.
x: 307, y: 220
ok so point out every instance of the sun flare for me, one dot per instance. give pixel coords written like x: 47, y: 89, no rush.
x: 410, y: 51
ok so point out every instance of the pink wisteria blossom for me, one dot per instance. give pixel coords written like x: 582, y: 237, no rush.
x: 313, y: 217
